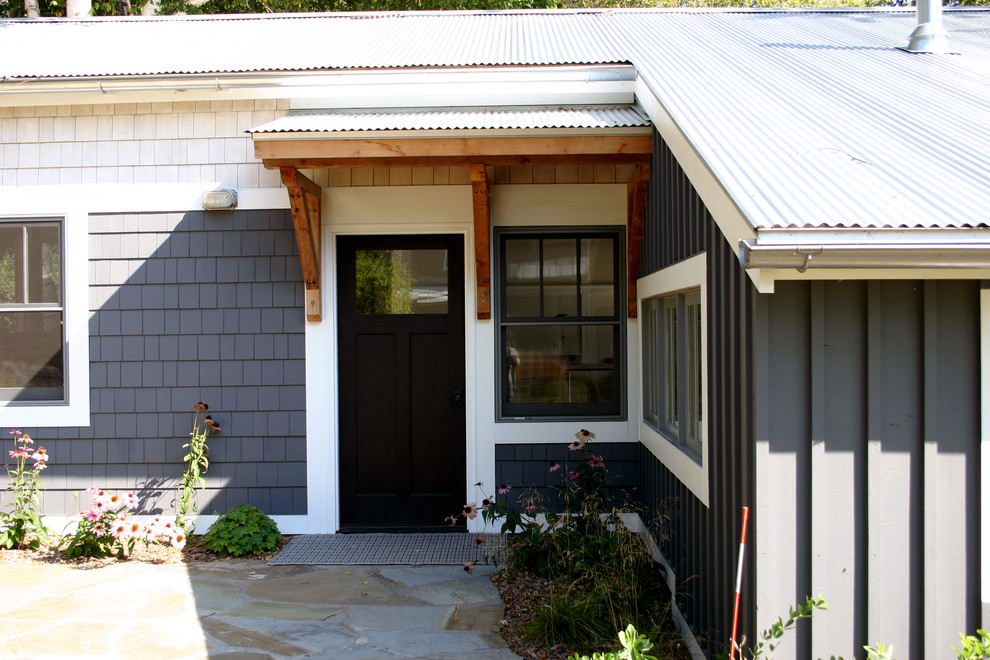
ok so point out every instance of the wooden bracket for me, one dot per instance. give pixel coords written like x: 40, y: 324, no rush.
x: 635, y: 209
x: 482, y: 248
x: 304, y: 198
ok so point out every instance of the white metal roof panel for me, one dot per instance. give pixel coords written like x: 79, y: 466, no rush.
x: 603, y: 117
x: 299, y: 42
x: 816, y: 119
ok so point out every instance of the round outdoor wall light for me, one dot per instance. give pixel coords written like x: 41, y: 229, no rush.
x: 220, y: 200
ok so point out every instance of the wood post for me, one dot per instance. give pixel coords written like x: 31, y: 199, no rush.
x: 304, y: 198
x: 635, y: 209
x: 482, y: 231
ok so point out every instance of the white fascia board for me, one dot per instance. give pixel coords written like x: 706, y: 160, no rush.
x: 729, y: 217
x: 765, y: 278
x: 536, y: 85
x: 877, y: 236
x: 812, y: 256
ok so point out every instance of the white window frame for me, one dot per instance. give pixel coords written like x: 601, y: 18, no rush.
x: 74, y: 410
x: 688, y: 277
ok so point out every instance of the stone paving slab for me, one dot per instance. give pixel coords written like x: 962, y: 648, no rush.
x: 246, y: 610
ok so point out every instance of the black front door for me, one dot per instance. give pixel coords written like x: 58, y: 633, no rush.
x: 400, y: 318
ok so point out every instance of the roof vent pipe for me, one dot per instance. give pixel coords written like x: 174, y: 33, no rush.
x: 930, y: 35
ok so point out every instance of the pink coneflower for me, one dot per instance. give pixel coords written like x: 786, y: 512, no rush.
x: 40, y: 465
x: 201, y: 407
x: 26, y: 438
x: 478, y: 539
x: 135, y: 529
x: 530, y: 506
x: 130, y: 500
x: 504, y: 489
x: 20, y: 453
x: 469, y: 567
x: 596, y: 461
x: 554, y: 466
x: 471, y: 511
x: 577, y: 445
x: 179, y: 540
x: 584, y: 435
x: 114, y: 500
x: 91, y: 515
x: 40, y: 455
x: 13, y: 432
x: 450, y: 520
x: 574, y: 474
x: 120, y: 529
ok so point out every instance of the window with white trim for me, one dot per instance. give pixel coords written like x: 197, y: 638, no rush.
x: 673, y: 368
x: 32, y: 318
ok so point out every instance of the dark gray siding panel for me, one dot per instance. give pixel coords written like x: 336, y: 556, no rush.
x: 869, y: 432
x: 700, y: 542
x: 526, y: 468
x: 677, y: 221
x: 185, y: 308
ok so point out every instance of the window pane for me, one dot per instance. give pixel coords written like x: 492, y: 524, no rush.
x: 651, y: 360
x: 12, y: 264
x: 597, y: 277
x: 401, y: 281
x: 30, y: 263
x: 32, y: 366
x: 522, y: 277
x: 561, y: 363
x: 44, y: 264
x: 560, y: 277
x: 692, y: 330
x: 670, y: 363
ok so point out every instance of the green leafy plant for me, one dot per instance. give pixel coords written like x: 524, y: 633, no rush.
x: 602, y: 576
x: 244, y: 530
x: 634, y: 647
x: 21, y: 525
x: 974, y: 647
x: 197, y: 460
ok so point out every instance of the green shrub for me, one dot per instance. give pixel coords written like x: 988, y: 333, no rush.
x: 244, y: 530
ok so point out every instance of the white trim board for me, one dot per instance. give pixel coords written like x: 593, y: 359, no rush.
x: 688, y: 274
x: 132, y: 197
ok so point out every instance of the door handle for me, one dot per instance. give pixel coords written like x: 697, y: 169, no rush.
x: 457, y: 398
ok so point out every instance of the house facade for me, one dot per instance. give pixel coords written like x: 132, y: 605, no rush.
x: 401, y: 254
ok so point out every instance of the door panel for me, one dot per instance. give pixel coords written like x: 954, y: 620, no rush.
x: 401, y: 356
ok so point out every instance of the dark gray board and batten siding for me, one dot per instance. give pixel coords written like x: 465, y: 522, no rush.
x: 702, y: 542
x: 184, y: 308
x: 869, y: 437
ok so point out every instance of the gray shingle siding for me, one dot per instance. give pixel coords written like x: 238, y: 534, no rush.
x: 190, y: 307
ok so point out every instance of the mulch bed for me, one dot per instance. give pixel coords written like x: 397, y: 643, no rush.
x: 193, y: 552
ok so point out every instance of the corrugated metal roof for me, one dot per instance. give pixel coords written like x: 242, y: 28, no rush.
x: 805, y: 118
x: 460, y: 118
x: 294, y: 42
x: 815, y: 119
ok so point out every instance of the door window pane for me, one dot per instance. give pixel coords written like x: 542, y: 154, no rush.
x: 401, y: 281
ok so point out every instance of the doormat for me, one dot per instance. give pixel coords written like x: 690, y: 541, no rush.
x: 387, y: 549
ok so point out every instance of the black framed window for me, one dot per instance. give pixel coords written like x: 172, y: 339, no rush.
x: 560, y: 326
x: 32, y: 359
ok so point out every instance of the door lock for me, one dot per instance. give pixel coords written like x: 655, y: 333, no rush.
x: 458, y: 398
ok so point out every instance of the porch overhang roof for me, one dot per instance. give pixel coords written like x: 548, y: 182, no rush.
x: 463, y: 136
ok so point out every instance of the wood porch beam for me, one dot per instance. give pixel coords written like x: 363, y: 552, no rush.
x: 482, y: 231
x: 435, y: 151
x: 304, y: 198
x: 635, y: 209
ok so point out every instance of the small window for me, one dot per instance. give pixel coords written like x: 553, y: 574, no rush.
x: 32, y: 338
x: 560, y: 326
x: 672, y: 368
